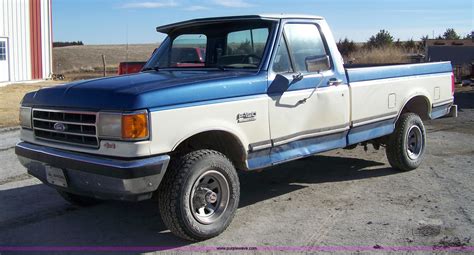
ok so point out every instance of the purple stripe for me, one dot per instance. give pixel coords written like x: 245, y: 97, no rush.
x: 236, y: 248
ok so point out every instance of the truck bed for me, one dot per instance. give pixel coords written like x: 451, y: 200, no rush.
x: 379, y: 92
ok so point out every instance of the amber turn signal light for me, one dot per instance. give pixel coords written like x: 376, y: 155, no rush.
x: 135, y: 126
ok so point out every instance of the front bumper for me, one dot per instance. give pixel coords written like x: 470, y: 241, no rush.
x: 95, y: 176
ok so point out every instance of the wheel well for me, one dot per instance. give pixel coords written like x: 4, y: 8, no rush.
x: 419, y: 105
x: 221, y: 141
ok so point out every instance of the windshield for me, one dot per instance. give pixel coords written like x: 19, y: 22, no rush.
x: 236, y: 44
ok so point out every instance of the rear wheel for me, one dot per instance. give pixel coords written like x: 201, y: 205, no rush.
x: 79, y: 200
x: 406, y: 146
x: 199, y: 195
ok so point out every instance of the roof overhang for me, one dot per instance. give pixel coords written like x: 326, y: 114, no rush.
x: 168, y: 28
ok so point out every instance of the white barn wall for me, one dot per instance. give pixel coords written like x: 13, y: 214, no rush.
x: 46, y: 39
x: 15, y: 25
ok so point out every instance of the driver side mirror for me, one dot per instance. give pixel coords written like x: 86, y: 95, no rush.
x: 317, y: 63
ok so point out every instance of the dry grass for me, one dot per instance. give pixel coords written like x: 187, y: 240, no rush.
x: 390, y: 55
x: 10, y: 98
x: 84, y: 62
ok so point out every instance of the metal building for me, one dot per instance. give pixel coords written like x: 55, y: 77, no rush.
x: 25, y: 40
x: 459, y: 52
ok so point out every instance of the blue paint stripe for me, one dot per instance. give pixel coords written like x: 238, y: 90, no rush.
x: 208, y: 102
x: 310, y: 146
x: 294, y: 150
x: 370, y: 131
x: 397, y: 71
x: 440, y: 111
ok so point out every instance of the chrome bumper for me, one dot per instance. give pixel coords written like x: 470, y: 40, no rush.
x: 100, y: 177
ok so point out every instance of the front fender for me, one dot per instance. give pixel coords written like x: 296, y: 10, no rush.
x: 173, y: 126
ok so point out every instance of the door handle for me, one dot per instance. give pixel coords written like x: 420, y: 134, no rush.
x: 334, y: 82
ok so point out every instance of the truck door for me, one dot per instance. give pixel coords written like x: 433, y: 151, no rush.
x: 310, y: 103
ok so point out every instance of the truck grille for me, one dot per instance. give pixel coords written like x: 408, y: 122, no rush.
x: 69, y: 127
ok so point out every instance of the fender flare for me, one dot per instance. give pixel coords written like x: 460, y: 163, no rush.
x: 238, y: 135
x: 425, y: 96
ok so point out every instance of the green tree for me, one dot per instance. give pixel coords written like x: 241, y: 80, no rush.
x: 398, y: 43
x: 382, y: 39
x: 410, y: 44
x: 451, y: 34
x: 245, y: 48
x: 422, y: 43
x: 346, y: 47
x: 469, y: 36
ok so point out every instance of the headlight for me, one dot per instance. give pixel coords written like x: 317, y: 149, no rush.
x: 110, y: 125
x: 128, y: 126
x: 25, y: 117
x: 135, y: 126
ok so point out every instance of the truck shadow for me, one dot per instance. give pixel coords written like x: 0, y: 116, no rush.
x: 286, y: 178
x: 35, y: 215
x: 464, y: 99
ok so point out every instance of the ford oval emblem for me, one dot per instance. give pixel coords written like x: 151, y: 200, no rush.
x: 59, y: 127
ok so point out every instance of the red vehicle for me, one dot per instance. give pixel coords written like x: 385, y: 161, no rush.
x: 130, y: 67
x: 188, y: 57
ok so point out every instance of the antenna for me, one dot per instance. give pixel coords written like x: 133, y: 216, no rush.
x: 126, y: 39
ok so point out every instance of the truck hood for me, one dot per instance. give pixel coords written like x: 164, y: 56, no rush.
x: 148, y: 90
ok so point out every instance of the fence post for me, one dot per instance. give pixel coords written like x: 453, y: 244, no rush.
x: 104, y: 65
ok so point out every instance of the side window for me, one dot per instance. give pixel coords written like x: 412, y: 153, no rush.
x: 186, y: 51
x: 244, y: 48
x: 304, y: 42
x: 3, y: 51
x: 282, y: 63
x: 247, y: 42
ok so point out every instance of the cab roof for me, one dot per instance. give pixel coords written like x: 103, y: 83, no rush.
x: 170, y: 27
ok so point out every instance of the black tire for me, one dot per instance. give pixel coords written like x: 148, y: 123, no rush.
x: 79, y: 200
x: 406, y: 146
x: 181, y: 190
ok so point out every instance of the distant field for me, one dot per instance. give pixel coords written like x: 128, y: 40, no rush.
x: 83, y: 62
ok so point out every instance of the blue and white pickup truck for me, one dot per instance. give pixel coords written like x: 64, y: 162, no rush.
x: 269, y: 89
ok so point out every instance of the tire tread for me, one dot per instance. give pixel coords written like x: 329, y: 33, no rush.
x: 169, y: 191
x: 395, y: 147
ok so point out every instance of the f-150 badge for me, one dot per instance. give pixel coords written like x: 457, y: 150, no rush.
x: 246, y: 117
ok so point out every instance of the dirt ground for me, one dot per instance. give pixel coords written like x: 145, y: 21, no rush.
x: 339, y: 202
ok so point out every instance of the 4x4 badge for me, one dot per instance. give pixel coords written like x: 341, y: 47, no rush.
x: 246, y: 117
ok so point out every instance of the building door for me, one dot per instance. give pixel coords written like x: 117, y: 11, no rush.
x: 4, y: 66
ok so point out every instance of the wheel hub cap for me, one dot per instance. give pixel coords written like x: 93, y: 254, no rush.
x: 414, y: 143
x: 210, y: 196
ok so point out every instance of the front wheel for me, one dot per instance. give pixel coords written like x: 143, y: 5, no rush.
x: 199, y: 195
x: 406, y: 146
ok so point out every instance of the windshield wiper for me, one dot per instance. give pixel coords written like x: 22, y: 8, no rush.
x: 155, y: 68
x: 223, y: 67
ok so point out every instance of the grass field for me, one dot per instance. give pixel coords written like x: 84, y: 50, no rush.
x: 85, y: 62
x: 380, y: 56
